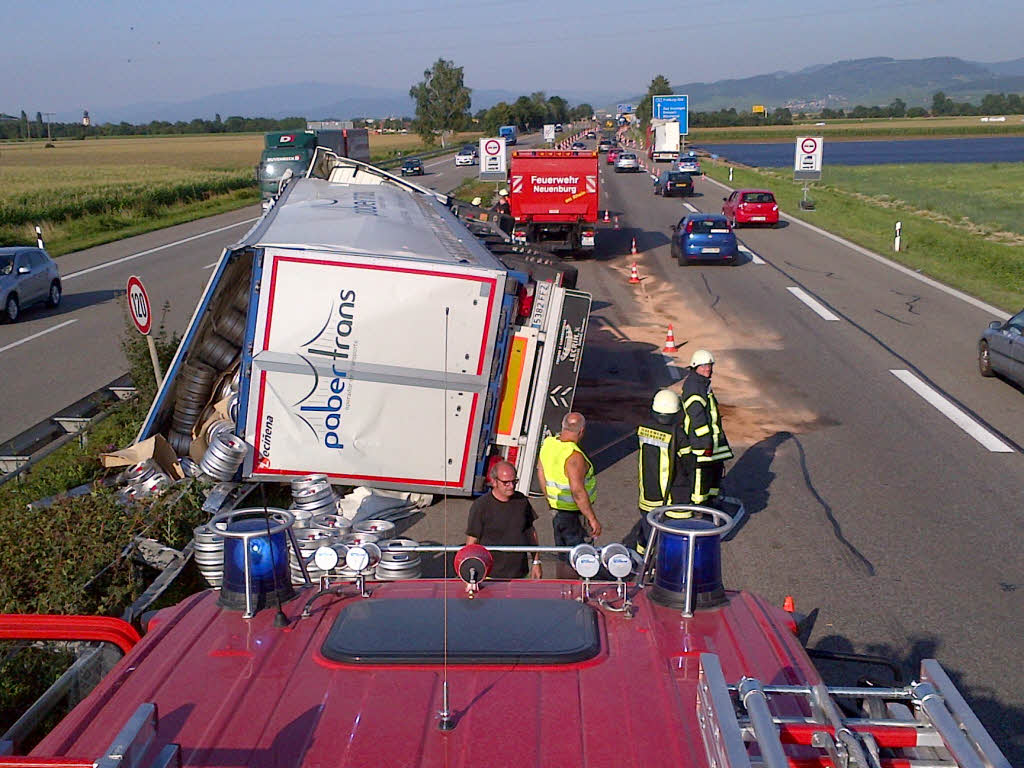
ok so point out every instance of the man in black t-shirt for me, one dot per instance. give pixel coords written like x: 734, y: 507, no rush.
x: 504, y: 517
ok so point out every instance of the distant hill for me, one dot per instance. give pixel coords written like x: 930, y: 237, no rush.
x: 859, y: 81
x: 315, y: 101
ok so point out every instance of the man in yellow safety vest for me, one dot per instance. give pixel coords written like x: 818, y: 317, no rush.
x: 567, y: 477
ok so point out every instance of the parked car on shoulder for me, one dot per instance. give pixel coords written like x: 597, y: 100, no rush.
x: 627, y: 161
x: 689, y: 164
x: 750, y: 206
x: 704, y: 237
x: 27, y: 276
x: 465, y: 157
x: 671, y: 183
x: 1001, y: 349
x: 413, y: 167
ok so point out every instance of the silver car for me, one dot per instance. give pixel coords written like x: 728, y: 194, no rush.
x: 27, y: 276
x: 626, y: 161
x: 1001, y: 349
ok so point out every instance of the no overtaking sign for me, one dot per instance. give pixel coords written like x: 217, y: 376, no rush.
x: 807, y: 161
x: 493, y: 165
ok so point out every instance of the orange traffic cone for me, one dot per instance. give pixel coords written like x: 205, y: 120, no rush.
x: 606, y: 215
x: 670, y: 341
x: 632, y: 249
x: 788, y: 605
x: 634, y: 274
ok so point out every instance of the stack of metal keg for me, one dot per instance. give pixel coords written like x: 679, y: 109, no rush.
x: 309, y: 541
x: 397, y: 562
x: 143, y: 479
x: 312, y: 495
x: 224, y: 456
x: 209, y: 553
x: 195, y: 383
x: 382, y: 529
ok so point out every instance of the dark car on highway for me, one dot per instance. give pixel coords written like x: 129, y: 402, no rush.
x: 704, y: 237
x: 1001, y: 349
x: 413, y: 167
x: 671, y: 183
x: 604, y: 145
x: 27, y: 276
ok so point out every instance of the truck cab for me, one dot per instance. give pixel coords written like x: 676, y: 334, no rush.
x: 510, y: 133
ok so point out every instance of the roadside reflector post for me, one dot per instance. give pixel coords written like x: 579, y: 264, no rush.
x: 730, y: 173
x: 39, y: 237
x: 896, y: 242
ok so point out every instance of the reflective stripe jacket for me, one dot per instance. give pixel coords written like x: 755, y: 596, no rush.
x: 553, y: 455
x: 656, y: 464
x: 702, y: 424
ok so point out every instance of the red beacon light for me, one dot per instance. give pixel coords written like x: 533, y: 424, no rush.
x: 473, y: 563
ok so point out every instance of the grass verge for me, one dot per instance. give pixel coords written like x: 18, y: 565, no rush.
x: 991, y: 271
x: 472, y: 187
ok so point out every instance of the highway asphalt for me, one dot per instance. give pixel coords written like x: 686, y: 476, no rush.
x: 882, y: 476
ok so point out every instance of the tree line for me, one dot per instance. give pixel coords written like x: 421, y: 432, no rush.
x: 443, y: 105
x: 24, y: 128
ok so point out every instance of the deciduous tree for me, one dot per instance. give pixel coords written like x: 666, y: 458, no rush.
x: 442, y: 101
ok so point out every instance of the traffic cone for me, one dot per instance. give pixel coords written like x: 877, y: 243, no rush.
x: 632, y: 249
x: 788, y: 605
x: 634, y: 274
x: 670, y: 341
x: 606, y: 215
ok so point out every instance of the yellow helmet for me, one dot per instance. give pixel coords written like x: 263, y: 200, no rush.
x: 666, y: 402
x: 701, y: 357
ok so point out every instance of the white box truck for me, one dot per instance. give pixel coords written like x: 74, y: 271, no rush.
x: 663, y: 139
x: 384, y: 345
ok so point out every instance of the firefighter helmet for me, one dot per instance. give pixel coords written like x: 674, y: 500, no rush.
x: 701, y: 357
x: 666, y: 402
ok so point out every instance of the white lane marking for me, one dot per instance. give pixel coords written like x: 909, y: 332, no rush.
x: 123, y: 259
x: 753, y: 256
x: 37, y: 335
x: 812, y: 302
x: 211, y: 266
x: 898, y: 267
x: 691, y: 207
x: 440, y: 162
x: 953, y: 413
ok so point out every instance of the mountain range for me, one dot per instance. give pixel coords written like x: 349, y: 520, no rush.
x: 840, y: 84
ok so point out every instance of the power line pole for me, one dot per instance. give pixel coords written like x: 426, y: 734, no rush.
x: 49, y: 116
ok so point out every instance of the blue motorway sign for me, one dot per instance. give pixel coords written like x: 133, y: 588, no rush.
x: 624, y: 109
x: 674, y: 107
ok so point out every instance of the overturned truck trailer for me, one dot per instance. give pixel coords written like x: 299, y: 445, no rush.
x: 360, y: 330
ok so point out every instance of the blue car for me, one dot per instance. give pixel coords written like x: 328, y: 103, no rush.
x: 705, y: 237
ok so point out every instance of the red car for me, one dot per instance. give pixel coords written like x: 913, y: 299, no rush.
x: 613, y: 155
x: 751, y: 206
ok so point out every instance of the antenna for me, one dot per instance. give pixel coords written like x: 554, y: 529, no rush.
x: 447, y: 721
x: 280, y: 620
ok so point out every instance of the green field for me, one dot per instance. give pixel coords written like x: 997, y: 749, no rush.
x: 85, y: 193
x: 959, y: 221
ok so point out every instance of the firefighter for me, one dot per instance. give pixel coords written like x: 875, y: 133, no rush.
x: 503, y: 206
x: 656, y: 465
x: 703, y: 447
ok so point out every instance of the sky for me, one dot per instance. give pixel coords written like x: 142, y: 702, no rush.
x: 68, y: 56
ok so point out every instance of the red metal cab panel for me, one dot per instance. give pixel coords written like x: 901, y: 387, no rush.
x: 553, y: 186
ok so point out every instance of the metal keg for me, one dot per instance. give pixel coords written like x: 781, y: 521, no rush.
x: 309, y: 540
x: 240, y: 298
x: 180, y: 442
x: 138, y: 472
x: 331, y: 521
x: 189, y: 468
x: 218, y: 351
x: 193, y: 391
x: 231, y: 325
x: 217, y: 427
x: 154, y: 485
x: 308, y: 480
x: 382, y: 529
x: 359, y: 538
x: 224, y: 456
x: 396, y: 562
x: 209, y: 553
x: 233, y: 407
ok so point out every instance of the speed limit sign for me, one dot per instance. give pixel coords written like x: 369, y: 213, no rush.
x: 138, y: 306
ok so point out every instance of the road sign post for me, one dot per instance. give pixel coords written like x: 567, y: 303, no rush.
x: 807, y: 164
x: 493, y: 164
x: 142, y: 316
